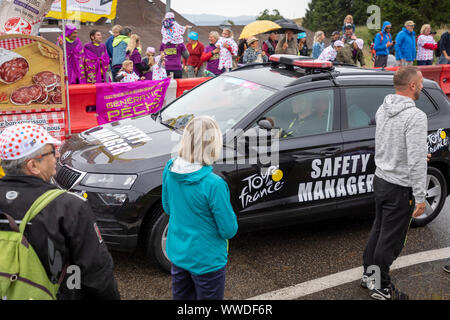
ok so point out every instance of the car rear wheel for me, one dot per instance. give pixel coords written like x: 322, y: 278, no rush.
x: 156, y: 243
x: 436, y: 188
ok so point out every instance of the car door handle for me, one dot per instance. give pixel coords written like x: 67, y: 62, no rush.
x: 330, y: 151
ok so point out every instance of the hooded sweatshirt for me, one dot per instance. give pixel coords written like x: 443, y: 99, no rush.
x: 201, y: 219
x: 119, y: 45
x: 381, y: 39
x: 401, y: 144
x: 405, y: 45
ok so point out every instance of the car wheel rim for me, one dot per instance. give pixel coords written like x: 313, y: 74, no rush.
x: 164, y: 240
x: 433, y: 196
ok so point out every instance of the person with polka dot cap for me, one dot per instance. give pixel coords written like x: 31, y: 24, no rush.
x: 64, y: 233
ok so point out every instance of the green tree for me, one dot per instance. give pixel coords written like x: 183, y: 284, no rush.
x: 326, y: 15
x: 266, y: 15
x: 329, y: 15
x: 434, y: 12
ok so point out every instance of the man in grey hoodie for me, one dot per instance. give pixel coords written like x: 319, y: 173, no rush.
x: 400, y: 178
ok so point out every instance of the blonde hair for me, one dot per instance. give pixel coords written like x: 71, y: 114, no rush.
x: 126, y: 63
x: 424, y: 27
x: 116, y: 28
x: 215, y: 34
x: 349, y: 16
x: 317, y: 35
x: 230, y: 31
x: 202, y: 141
x: 133, y: 44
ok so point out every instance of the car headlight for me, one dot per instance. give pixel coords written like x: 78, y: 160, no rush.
x: 108, y: 181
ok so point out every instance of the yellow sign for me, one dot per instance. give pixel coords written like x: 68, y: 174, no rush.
x: 2, y: 173
x: 83, y: 10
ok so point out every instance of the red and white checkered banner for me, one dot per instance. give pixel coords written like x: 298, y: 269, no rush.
x: 13, y: 43
x: 23, y: 111
x: 53, y: 122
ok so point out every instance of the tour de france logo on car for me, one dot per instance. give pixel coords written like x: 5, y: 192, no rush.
x: 437, y: 141
x: 258, y: 186
x: 18, y: 25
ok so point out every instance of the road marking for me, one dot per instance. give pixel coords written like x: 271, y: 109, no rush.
x: 337, y: 279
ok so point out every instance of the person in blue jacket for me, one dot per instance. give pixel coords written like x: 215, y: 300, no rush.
x: 115, y: 31
x: 382, y: 44
x: 405, y: 45
x: 201, y: 218
x: 120, y: 44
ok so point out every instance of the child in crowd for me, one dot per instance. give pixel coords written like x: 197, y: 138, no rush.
x: 159, y: 68
x: 126, y: 74
x: 228, y: 49
x: 348, y: 20
x: 171, y: 31
x: 149, y: 59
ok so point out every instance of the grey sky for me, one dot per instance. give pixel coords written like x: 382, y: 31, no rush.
x: 231, y: 8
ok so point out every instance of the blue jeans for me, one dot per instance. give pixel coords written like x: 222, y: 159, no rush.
x: 187, y: 286
x: 424, y: 62
x: 442, y: 60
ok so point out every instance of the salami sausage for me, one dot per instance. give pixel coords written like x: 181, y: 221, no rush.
x: 26, y: 95
x: 46, y: 78
x: 44, y: 96
x: 13, y: 70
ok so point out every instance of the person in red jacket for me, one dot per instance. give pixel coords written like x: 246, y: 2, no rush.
x: 193, y: 64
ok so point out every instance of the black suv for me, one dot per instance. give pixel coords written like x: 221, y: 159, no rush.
x: 323, y: 168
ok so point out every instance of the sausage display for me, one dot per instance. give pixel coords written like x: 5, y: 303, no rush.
x: 26, y: 95
x: 13, y: 66
x: 47, y: 78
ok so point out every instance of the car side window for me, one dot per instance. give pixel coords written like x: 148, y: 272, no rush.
x: 363, y: 103
x: 425, y: 104
x: 303, y: 114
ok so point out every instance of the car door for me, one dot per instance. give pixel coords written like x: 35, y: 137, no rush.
x: 359, y: 105
x: 292, y: 183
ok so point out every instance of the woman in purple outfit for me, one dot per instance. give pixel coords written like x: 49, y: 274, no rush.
x: 74, y: 55
x: 211, y: 55
x: 133, y: 53
x: 96, y: 59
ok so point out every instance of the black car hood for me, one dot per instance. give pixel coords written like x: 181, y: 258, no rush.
x: 127, y: 146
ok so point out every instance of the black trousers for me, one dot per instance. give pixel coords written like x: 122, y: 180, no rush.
x: 177, y: 74
x: 380, y: 61
x: 394, y: 206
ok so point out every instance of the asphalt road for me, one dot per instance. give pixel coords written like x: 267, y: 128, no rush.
x: 264, y: 261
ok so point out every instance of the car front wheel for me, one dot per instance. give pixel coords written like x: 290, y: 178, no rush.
x: 156, y: 242
x: 436, y: 188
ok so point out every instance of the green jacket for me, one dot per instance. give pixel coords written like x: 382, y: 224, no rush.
x: 345, y: 55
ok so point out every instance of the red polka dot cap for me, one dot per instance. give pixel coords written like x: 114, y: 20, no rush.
x: 23, y: 139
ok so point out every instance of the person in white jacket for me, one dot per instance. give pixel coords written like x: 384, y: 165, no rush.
x: 400, y: 178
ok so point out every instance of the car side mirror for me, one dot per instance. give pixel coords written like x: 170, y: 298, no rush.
x: 265, y: 124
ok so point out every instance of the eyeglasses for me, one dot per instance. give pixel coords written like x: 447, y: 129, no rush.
x: 53, y: 152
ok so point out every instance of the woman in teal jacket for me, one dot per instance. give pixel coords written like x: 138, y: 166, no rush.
x: 405, y: 45
x: 201, y: 219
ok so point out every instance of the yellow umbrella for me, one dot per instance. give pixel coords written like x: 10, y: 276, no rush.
x: 257, y: 27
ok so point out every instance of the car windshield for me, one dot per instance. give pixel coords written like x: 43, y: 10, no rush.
x: 226, y: 99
